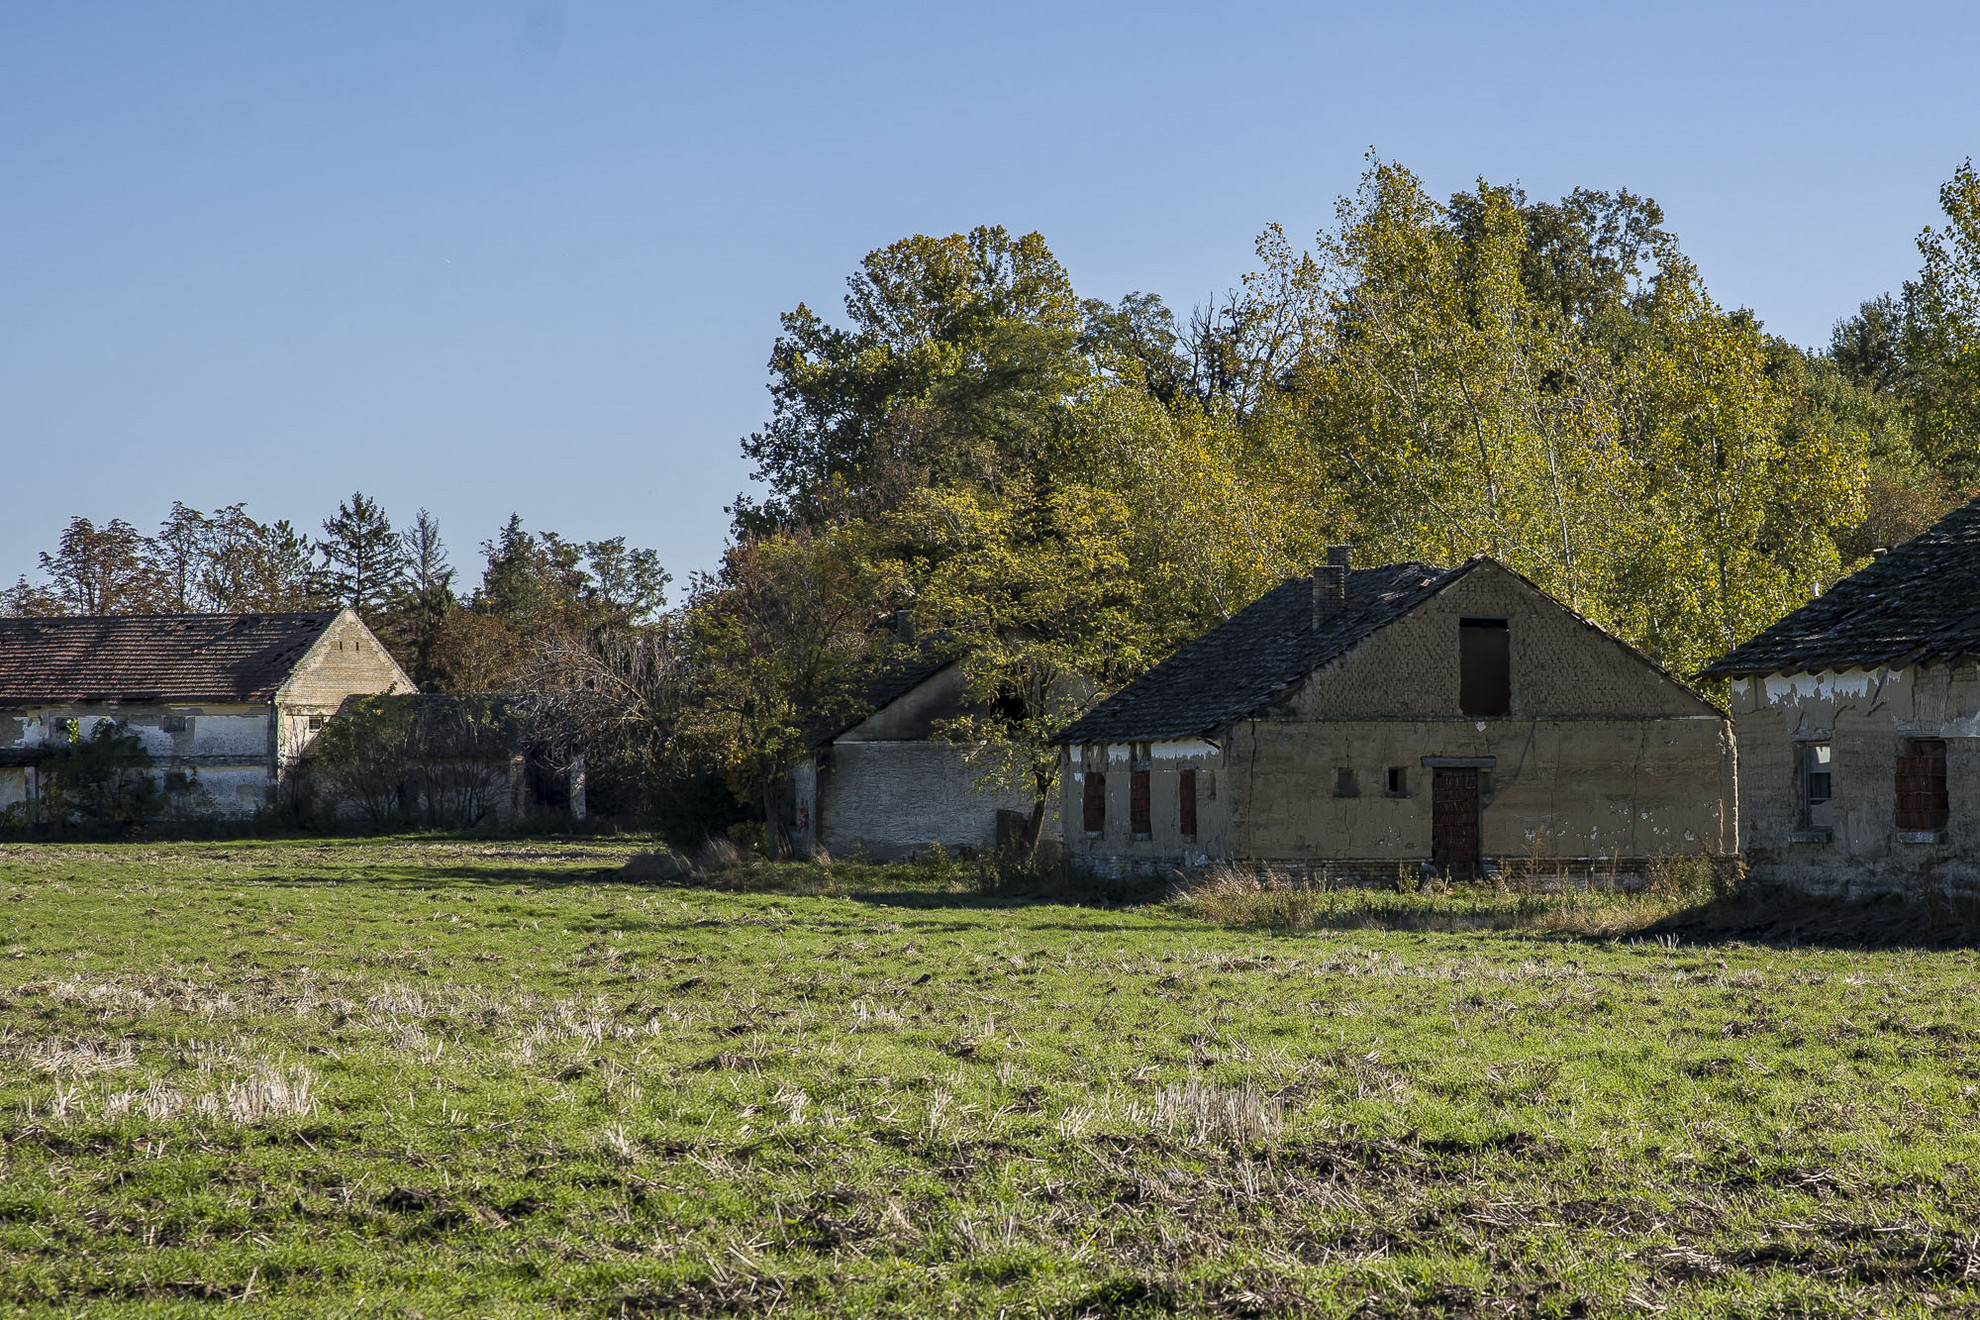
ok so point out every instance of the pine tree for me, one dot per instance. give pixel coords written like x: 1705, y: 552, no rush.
x: 364, y: 561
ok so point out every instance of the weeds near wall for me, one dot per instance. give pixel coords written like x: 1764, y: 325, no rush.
x: 1588, y: 902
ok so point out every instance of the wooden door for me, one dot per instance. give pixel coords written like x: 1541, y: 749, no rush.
x: 1454, y: 819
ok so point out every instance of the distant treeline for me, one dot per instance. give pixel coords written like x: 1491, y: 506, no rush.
x: 533, y: 584
x: 1064, y: 489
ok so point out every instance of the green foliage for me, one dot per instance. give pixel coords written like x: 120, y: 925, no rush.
x: 1921, y: 350
x: 1552, y: 385
x: 777, y: 637
x: 955, y: 368
x: 467, y: 1079
x: 99, y: 780
x: 411, y: 761
x: 364, y: 560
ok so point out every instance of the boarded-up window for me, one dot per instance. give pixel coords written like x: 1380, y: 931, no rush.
x: 1186, y: 802
x: 1094, y: 803
x: 1138, y: 804
x: 1484, y: 667
x: 1921, y: 784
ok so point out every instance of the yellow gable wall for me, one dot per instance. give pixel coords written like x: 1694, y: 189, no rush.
x: 1561, y: 667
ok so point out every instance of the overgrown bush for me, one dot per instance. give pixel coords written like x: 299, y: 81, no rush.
x: 103, y: 779
x: 422, y: 762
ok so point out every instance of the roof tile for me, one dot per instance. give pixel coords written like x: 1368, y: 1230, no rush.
x: 1255, y: 656
x: 152, y: 657
x: 1920, y: 601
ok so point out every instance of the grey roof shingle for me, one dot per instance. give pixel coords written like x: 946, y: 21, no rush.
x: 1256, y: 656
x: 153, y: 657
x: 1921, y: 601
x: 898, y: 673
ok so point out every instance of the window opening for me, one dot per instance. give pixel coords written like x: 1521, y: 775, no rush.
x: 1398, y: 781
x: 316, y: 721
x: 1094, y: 802
x: 1186, y: 802
x: 1138, y: 804
x: 1921, y: 785
x: 1817, y: 779
x: 1484, y: 667
x: 1344, y: 785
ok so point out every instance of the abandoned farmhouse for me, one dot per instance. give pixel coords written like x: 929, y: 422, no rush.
x: 1857, y: 718
x: 224, y: 703
x: 1404, y: 716
x: 881, y: 783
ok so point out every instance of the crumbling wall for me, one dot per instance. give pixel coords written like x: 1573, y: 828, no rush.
x: 1116, y: 846
x: 210, y: 759
x: 1865, y: 717
x: 893, y: 799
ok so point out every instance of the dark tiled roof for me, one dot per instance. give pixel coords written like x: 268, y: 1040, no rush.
x: 898, y: 674
x: 1256, y: 656
x: 1921, y: 601
x: 152, y: 657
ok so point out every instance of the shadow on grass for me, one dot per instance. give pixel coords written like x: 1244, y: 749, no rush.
x: 1786, y: 919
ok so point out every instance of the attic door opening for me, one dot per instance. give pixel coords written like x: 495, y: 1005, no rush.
x: 1484, y: 667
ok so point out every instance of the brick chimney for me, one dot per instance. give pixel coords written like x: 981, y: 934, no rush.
x: 1330, y: 584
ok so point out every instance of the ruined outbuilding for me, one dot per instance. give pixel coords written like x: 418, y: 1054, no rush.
x: 1359, y: 722
x: 1859, y: 725
x: 883, y: 783
x: 224, y: 704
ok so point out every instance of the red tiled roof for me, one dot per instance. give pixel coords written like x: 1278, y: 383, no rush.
x: 153, y: 657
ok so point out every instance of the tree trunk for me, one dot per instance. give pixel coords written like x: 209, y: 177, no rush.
x: 776, y: 833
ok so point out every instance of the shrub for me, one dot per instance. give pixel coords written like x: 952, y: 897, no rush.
x: 103, y: 779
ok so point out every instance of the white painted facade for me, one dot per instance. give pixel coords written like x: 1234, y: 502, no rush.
x: 215, y: 758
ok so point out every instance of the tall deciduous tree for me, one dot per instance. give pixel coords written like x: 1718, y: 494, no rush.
x: 776, y: 632
x: 110, y: 569
x: 956, y: 367
x: 1554, y: 386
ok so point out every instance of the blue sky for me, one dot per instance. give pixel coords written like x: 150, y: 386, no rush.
x: 493, y: 256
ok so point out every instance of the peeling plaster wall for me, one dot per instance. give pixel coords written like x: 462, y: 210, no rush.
x: 1165, y: 843
x: 229, y: 753
x: 1864, y: 716
x: 221, y: 749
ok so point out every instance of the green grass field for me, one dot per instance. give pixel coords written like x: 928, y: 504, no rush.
x: 429, y: 1078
